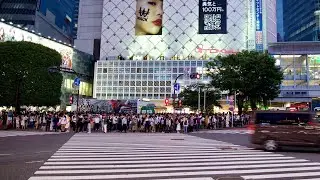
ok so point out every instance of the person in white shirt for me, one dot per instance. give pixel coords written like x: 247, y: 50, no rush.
x: 124, y: 122
x: 96, y: 123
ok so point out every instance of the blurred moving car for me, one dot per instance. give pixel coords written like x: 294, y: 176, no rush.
x: 276, y: 129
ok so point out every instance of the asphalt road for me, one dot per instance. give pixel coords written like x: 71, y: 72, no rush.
x: 21, y: 156
x: 244, y: 140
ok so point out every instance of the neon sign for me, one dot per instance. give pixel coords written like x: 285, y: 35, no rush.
x: 200, y: 49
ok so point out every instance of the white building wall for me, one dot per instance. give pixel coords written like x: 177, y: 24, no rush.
x: 89, y: 24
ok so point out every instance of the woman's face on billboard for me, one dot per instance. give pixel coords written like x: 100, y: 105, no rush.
x: 149, y: 16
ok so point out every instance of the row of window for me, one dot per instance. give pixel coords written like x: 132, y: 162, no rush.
x: 133, y: 90
x: 146, y: 70
x: 150, y: 63
x: 134, y: 83
x: 131, y: 96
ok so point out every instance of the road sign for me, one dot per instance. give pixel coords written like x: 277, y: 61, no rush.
x: 176, y: 87
x: 76, y: 81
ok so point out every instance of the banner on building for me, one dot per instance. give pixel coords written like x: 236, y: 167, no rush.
x: 213, y: 17
x: 259, y: 26
x: 149, y: 17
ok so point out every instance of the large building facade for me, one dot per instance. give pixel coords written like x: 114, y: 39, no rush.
x: 300, y: 20
x: 50, y: 18
x: 300, y: 62
x: 135, y: 65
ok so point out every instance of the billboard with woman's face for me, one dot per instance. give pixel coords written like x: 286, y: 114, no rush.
x: 149, y: 17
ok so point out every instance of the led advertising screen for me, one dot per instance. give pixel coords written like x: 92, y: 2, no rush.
x: 213, y: 17
x: 259, y: 26
x: 149, y: 17
x: 11, y: 33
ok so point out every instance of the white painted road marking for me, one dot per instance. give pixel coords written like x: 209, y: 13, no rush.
x: 133, y: 156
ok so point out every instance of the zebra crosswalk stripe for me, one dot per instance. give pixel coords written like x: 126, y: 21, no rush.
x: 23, y: 133
x: 162, y: 156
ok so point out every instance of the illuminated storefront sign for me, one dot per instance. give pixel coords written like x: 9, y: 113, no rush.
x: 213, y: 17
x: 259, y: 26
x: 11, y: 33
x: 201, y: 49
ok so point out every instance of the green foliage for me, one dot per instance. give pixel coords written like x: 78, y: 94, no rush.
x: 252, y: 74
x: 190, y: 97
x: 24, y: 66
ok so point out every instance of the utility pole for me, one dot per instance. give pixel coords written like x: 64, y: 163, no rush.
x: 204, y: 101
x: 199, y: 98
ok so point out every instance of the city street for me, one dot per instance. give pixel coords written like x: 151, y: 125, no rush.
x: 22, y: 153
x: 221, y: 154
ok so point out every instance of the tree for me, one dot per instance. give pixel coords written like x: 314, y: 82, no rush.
x: 190, y: 96
x: 252, y: 75
x: 24, y: 76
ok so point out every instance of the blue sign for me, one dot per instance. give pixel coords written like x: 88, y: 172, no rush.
x: 176, y: 87
x: 76, y: 81
x: 258, y: 15
x: 259, y: 26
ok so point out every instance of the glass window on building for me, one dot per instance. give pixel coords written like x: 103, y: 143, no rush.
x: 138, y: 90
x: 150, y: 96
x: 150, y: 90
x: 105, y: 70
x: 138, y: 76
x: 99, y: 70
x: 132, y: 83
x: 150, y: 70
x: 187, y: 63
x: 133, y: 70
x: 110, y: 70
x: 138, y: 83
x: 145, y: 70
x: 138, y: 70
x: 156, y: 83
x: 132, y: 89
x: 168, y: 89
x: 156, y: 90
x: 109, y: 83
x: 144, y: 83
x: 175, y: 70
x: 181, y: 70
x: 174, y: 63
x: 169, y: 63
x: 193, y: 63
x: 127, y: 70
x: 99, y: 83
x: 150, y: 83
x: 116, y: 83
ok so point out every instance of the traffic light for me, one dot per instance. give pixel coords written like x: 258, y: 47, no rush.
x: 195, y: 76
x: 71, y: 100
x: 166, y: 102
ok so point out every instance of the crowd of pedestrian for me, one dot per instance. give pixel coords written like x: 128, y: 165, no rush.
x: 102, y: 122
